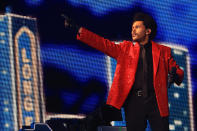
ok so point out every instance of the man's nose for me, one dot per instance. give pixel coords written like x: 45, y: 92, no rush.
x: 133, y: 31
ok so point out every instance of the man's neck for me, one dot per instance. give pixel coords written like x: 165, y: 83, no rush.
x: 145, y: 41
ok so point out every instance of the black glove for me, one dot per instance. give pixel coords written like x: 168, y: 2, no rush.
x: 70, y: 24
x: 173, y: 77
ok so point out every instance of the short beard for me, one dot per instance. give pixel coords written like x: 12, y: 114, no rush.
x: 140, y: 40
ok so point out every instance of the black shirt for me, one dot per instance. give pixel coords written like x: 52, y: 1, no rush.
x: 139, y: 73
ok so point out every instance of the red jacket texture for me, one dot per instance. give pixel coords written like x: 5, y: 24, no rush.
x: 127, y: 55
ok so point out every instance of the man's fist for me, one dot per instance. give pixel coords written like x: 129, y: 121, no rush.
x: 70, y: 24
x: 173, y: 77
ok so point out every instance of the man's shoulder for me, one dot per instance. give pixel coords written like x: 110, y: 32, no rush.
x: 161, y: 46
x: 124, y: 42
x: 127, y: 42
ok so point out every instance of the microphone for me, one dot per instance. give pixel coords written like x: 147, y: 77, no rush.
x: 171, y: 77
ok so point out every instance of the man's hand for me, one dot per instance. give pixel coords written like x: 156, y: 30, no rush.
x: 173, y: 77
x: 67, y: 21
x: 70, y: 24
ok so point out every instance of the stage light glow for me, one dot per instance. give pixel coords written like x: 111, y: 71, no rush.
x: 34, y: 2
x: 102, y: 7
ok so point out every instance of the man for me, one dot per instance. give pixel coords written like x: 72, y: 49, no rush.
x: 141, y: 78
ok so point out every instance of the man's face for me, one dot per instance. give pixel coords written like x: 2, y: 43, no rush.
x: 139, y: 31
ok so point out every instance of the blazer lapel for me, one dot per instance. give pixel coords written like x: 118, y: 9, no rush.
x: 156, y: 56
x: 136, y: 52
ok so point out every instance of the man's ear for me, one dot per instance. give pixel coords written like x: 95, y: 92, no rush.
x: 148, y: 31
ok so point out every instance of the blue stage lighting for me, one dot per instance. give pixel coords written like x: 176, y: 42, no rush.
x: 102, y: 7
x: 33, y: 2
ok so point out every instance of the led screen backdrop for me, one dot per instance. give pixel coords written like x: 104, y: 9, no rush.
x: 21, y: 88
x: 77, y: 78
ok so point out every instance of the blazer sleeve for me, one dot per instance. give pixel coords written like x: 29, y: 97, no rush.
x: 179, y: 71
x: 99, y: 43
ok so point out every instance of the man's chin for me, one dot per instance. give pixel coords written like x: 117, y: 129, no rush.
x: 135, y: 40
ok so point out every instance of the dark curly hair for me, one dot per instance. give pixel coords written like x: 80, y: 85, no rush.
x: 148, y: 21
